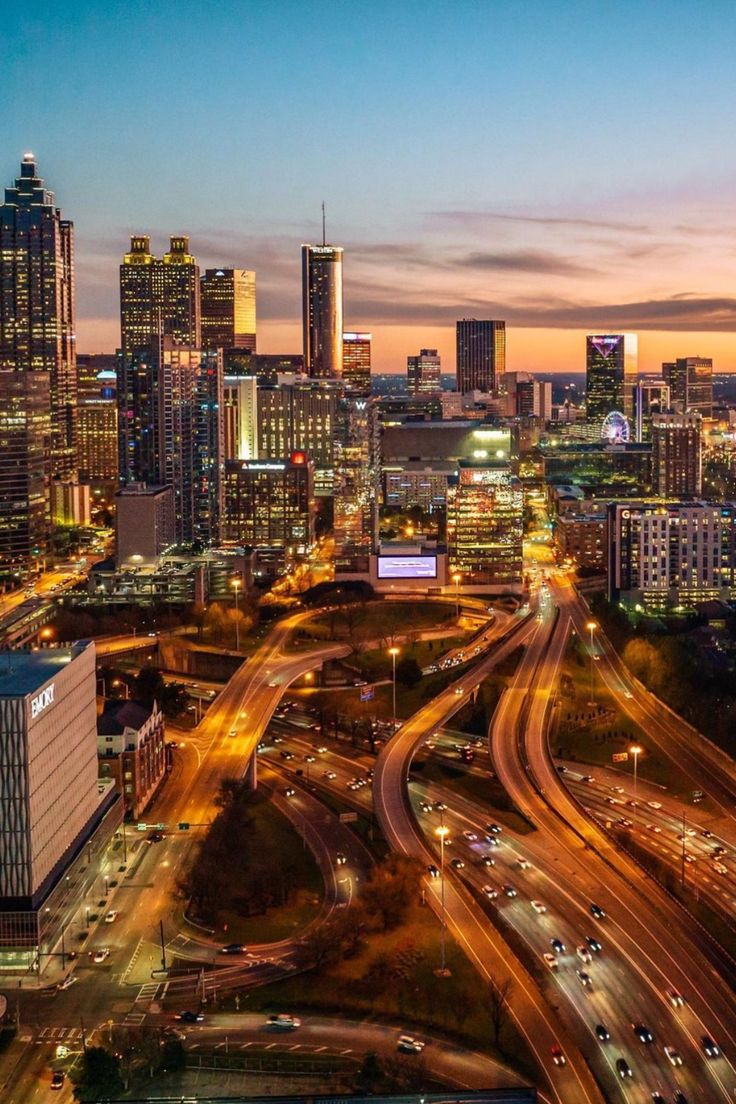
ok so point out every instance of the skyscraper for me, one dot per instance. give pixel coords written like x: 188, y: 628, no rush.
x: 677, y: 466
x: 97, y: 420
x: 159, y: 296
x: 356, y: 486
x: 25, y: 507
x: 356, y: 363
x: 611, y: 367
x: 322, y: 310
x: 424, y: 372
x: 228, y: 302
x: 481, y: 354
x: 690, y: 381
x: 651, y: 396
x: 37, y: 305
x: 485, y: 524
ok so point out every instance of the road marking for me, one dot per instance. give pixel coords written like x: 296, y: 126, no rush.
x: 348, y: 1051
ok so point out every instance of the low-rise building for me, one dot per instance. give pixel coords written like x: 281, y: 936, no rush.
x: 131, y: 748
x: 582, y: 538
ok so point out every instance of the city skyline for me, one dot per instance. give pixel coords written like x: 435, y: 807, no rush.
x: 515, y: 220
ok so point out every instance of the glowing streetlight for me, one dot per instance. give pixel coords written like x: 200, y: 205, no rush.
x: 441, y: 833
x: 236, y: 585
x: 457, y: 579
x: 393, y: 652
x: 591, y: 627
x: 636, y: 752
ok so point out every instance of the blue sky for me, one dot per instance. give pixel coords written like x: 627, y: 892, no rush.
x: 554, y: 163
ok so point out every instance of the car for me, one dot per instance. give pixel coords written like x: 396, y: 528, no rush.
x: 289, y: 791
x: 282, y: 1021
x: 718, y: 851
x: 495, y: 829
x: 286, y: 754
x: 653, y: 828
x: 433, y: 871
x: 642, y: 1033
x: 340, y: 858
x: 174, y: 1033
x: 440, y: 807
x: 57, y: 1080
x: 457, y: 864
x: 522, y: 863
x: 468, y: 835
x: 706, y: 834
x: 459, y: 690
x: 487, y: 861
x: 100, y: 955
x: 491, y: 841
x: 557, y: 1055
x: 558, y: 945
x: 550, y: 960
x: 509, y: 890
x: 321, y: 750
x: 617, y: 789
x: 583, y: 953
x: 602, y: 1032
x: 111, y: 916
x: 675, y: 997
x: 189, y: 1017
x: 654, y: 804
x: 329, y: 775
x: 538, y: 906
x: 233, y: 732
x: 657, y: 1097
x: 407, y: 1044
x: 155, y: 837
x: 489, y: 891
x: 623, y: 1069
x: 425, y: 806
x: 598, y: 912
x: 689, y: 859
x: 585, y: 979
x: 588, y: 778
x: 593, y: 944
x: 67, y: 982
x: 309, y: 759
x: 720, y: 868
x: 709, y: 1047
x: 232, y: 948
x: 674, y: 1055
x: 680, y: 1097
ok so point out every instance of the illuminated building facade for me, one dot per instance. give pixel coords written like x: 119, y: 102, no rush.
x: 677, y: 455
x: 240, y: 417
x: 97, y: 421
x: 611, y: 366
x: 300, y: 415
x: 159, y: 296
x: 651, y: 396
x: 485, y: 525
x: 228, y: 305
x: 690, y: 381
x: 356, y: 363
x: 356, y: 485
x: 481, y: 354
x: 424, y: 372
x: 322, y: 310
x: 25, y: 505
x: 269, y: 504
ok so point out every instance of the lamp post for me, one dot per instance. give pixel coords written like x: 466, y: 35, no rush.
x: 591, y: 627
x: 456, y: 580
x: 636, y: 752
x: 442, y: 832
x: 393, y: 652
x: 236, y: 584
x: 126, y: 689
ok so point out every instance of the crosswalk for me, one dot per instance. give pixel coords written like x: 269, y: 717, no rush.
x: 151, y: 991
x: 58, y: 1035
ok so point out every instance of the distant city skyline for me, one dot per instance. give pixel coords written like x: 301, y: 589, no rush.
x: 561, y: 202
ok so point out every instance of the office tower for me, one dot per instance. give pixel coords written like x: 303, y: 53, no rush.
x: 55, y: 817
x: 37, y: 304
x: 356, y: 485
x: 677, y: 463
x: 228, y: 305
x: 356, y: 363
x: 322, y: 310
x: 651, y: 396
x: 299, y: 415
x: 533, y: 399
x: 269, y: 504
x: 266, y: 367
x: 690, y: 381
x: 485, y: 524
x: 481, y: 354
x: 25, y: 505
x: 159, y: 296
x: 240, y: 427
x: 145, y: 524
x: 97, y: 421
x: 611, y: 372
x: 424, y: 372
x: 171, y: 429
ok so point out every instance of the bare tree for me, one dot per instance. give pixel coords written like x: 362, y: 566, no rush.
x: 499, y: 997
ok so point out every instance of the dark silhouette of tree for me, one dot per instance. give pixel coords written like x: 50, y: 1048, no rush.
x: 99, y: 1077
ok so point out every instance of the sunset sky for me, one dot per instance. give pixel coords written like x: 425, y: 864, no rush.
x: 565, y: 166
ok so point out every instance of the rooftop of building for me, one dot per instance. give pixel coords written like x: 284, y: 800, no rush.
x: 22, y: 673
x: 119, y: 715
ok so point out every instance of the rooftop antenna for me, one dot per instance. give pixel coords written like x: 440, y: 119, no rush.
x: 324, y: 239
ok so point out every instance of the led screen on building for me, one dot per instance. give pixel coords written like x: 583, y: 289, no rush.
x: 407, y: 567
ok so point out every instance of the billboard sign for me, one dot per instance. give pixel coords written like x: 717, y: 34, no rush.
x: 620, y: 756
x: 407, y: 567
x: 367, y: 693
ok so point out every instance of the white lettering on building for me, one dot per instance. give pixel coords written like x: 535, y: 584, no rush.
x: 42, y: 700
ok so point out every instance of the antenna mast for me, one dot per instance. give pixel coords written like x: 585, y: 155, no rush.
x: 324, y: 237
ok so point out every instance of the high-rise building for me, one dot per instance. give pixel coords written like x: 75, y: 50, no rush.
x: 356, y: 363
x: 25, y: 504
x: 677, y: 458
x: 322, y: 310
x: 299, y: 415
x: 228, y: 303
x: 356, y: 488
x: 159, y: 296
x: 485, y: 525
x: 240, y: 423
x: 690, y: 381
x: 269, y: 505
x: 481, y: 354
x: 533, y: 399
x: 611, y: 367
x: 651, y: 396
x: 37, y: 305
x: 424, y: 372
x: 97, y: 421
x: 145, y: 524
x: 266, y: 367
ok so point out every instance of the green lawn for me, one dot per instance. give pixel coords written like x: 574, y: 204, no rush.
x: 377, y: 620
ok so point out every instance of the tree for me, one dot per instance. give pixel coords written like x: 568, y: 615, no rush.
x: 99, y: 1077
x: 408, y: 671
x: 391, y: 888
x: 499, y: 996
x: 173, y: 1055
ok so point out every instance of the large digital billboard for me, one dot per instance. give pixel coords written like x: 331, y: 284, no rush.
x: 407, y: 567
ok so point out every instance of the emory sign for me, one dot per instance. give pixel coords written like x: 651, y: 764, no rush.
x: 42, y: 700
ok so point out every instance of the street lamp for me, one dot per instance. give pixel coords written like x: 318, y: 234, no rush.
x: 393, y: 652
x: 118, y: 683
x: 636, y: 752
x: 591, y: 627
x: 236, y: 585
x: 441, y: 833
x: 456, y: 580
